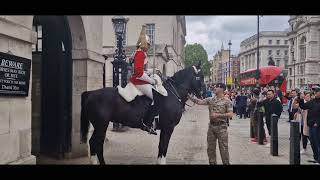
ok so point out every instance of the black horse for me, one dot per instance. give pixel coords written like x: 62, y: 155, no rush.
x: 104, y: 105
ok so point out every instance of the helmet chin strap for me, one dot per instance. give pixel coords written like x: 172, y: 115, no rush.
x: 196, y: 70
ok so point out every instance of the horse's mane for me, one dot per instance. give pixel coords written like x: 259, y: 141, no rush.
x: 179, y: 76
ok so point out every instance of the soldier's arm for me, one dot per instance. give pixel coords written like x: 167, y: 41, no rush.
x: 229, y: 113
x: 199, y: 101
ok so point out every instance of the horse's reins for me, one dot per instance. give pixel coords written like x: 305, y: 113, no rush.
x: 176, y: 94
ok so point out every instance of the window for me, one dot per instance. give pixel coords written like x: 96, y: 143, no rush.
x: 150, y: 31
x: 286, y: 64
x: 290, y: 71
x: 285, y: 42
x: 278, y: 42
x: 302, y: 49
x: 270, y: 52
x: 270, y: 41
x: 286, y: 52
x: 278, y: 52
x: 278, y: 63
x: 290, y: 84
x: 38, y: 46
x: 301, y: 69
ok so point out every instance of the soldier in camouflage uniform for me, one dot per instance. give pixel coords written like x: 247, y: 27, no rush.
x: 220, y: 109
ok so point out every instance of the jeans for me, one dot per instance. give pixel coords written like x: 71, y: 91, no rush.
x: 315, y: 142
x: 242, y: 111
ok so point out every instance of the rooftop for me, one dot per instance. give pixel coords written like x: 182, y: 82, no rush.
x: 265, y: 34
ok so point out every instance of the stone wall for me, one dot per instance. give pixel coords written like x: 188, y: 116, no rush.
x: 15, y: 112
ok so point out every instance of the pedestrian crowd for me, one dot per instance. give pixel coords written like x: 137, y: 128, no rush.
x: 302, y: 106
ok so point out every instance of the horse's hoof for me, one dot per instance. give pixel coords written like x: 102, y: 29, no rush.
x: 162, y: 160
x: 94, y: 160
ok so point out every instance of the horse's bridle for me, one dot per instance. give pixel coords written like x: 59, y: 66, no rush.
x: 175, y: 93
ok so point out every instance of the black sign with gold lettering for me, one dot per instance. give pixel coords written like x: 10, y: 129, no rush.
x: 14, y: 75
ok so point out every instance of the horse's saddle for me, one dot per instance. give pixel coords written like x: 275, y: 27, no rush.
x: 130, y: 92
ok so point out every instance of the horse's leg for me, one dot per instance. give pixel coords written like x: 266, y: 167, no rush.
x: 92, y: 148
x: 165, y: 136
x: 101, y: 135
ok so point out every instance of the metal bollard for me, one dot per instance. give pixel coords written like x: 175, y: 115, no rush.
x: 260, y: 128
x: 251, y: 129
x: 274, y: 135
x: 294, y: 142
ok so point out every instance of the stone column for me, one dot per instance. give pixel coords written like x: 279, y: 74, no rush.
x: 87, y: 75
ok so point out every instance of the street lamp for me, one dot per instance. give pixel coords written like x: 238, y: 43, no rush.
x: 294, y: 72
x: 119, y: 62
x: 258, y: 55
x: 294, y: 65
x: 229, y: 60
x: 119, y: 72
x: 104, y: 71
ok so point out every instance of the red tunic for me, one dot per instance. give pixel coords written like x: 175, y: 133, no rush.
x: 138, y: 69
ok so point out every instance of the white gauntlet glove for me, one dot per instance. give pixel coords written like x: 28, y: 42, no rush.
x: 146, y: 78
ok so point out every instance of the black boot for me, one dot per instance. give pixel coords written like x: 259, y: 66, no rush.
x: 149, y: 129
x: 147, y: 122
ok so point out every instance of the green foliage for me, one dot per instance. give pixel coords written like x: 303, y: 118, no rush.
x: 194, y: 53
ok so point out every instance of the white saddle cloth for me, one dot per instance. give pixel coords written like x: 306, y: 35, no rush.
x: 130, y: 92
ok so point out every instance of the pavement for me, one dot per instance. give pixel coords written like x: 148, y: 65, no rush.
x: 188, y: 144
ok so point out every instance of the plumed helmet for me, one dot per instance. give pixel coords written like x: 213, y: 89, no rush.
x: 144, y: 40
x: 148, y: 39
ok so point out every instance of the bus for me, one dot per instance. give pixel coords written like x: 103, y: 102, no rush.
x: 269, y: 75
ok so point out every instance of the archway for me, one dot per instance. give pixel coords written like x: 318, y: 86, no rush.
x: 51, y: 86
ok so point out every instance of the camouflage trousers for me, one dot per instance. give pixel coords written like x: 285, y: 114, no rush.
x: 220, y: 133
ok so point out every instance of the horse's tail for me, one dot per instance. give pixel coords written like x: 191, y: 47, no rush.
x: 84, y: 126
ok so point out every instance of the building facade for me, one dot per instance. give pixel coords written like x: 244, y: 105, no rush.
x: 304, y: 57
x: 235, y: 69
x: 220, y: 66
x: 63, y: 52
x: 166, y: 32
x: 271, y: 44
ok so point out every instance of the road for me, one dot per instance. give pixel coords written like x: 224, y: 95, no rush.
x: 188, y: 144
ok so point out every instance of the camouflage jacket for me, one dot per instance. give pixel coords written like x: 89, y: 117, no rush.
x: 219, y: 105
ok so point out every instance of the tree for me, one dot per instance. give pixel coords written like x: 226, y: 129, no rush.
x: 196, y: 52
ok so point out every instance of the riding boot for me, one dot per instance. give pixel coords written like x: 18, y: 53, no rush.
x: 147, y: 123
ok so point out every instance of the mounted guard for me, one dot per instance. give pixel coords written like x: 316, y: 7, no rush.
x: 140, y: 83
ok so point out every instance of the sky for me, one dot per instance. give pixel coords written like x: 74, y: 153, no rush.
x: 211, y: 31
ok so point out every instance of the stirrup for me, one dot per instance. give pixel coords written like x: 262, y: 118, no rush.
x: 150, y: 130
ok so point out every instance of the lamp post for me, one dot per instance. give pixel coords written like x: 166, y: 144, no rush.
x: 258, y: 55
x: 119, y: 63
x: 104, y: 71
x: 229, y: 77
x: 294, y: 72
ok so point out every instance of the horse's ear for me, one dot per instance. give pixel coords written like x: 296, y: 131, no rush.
x: 198, y: 66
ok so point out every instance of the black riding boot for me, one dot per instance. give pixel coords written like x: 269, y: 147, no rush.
x: 148, y: 120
